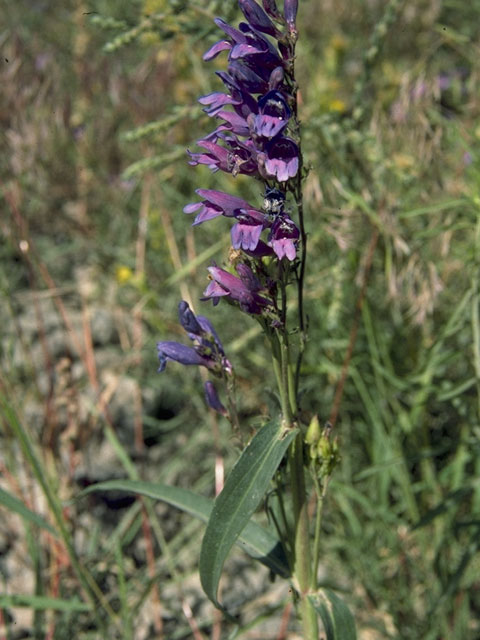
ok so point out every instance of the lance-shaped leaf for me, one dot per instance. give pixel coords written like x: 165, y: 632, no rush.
x: 14, y: 504
x: 338, y: 621
x: 245, y: 487
x: 254, y: 540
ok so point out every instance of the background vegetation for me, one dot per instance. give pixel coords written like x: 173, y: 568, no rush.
x: 97, y: 107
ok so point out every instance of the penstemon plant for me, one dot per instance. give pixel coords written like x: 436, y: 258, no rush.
x: 258, y: 135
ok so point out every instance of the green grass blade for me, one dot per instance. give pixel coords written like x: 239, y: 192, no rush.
x: 42, y: 603
x: 14, y: 504
x: 30, y: 453
x: 245, y: 487
x: 254, y: 540
x: 338, y: 621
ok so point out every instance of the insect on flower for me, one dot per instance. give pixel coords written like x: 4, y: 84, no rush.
x: 273, y: 201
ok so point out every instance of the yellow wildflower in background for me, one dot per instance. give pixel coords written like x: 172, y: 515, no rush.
x: 123, y: 274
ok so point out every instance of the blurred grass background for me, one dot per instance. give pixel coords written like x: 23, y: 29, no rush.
x: 97, y: 107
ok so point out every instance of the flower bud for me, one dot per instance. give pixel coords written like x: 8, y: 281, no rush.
x: 270, y: 7
x: 313, y: 432
x: 213, y: 401
x: 290, y: 11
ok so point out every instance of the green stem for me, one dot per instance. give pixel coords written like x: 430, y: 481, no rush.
x: 282, y: 389
x: 302, y: 569
x: 321, y: 492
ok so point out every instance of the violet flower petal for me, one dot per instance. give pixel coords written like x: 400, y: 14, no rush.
x: 245, y: 235
x: 218, y: 47
x: 188, y: 320
x: 236, y: 35
x: 209, y: 329
x: 284, y: 237
x: 282, y: 158
x: 224, y: 201
x: 212, y: 399
x: 178, y: 353
x: 214, y: 102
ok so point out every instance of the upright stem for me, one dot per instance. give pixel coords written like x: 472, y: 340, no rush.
x: 278, y: 368
x: 302, y: 564
x: 300, y: 543
x: 302, y: 553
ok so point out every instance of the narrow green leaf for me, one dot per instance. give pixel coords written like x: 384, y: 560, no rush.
x: 338, y: 621
x: 255, y: 540
x: 14, y: 504
x: 42, y: 602
x: 245, y: 487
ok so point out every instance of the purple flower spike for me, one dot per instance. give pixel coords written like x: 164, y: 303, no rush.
x: 213, y: 401
x: 257, y: 17
x: 281, y: 159
x: 178, y: 353
x: 273, y: 115
x: 284, y: 237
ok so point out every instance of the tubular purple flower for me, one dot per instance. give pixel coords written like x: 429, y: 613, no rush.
x: 281, y: 159
x: 212, y: 399
x: 180, y: 353
x: 258, y: 53
x: 225, y: 284
x: 235, y: 123
x: 246, y: 232
x: 284, y: 237
x: 215, y: 159
x: 257, y: 17
x: 273, y: 115
x: 214, y: 204
x: 207, y: 350
x: 239, y: 157
x: 248, y: 277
